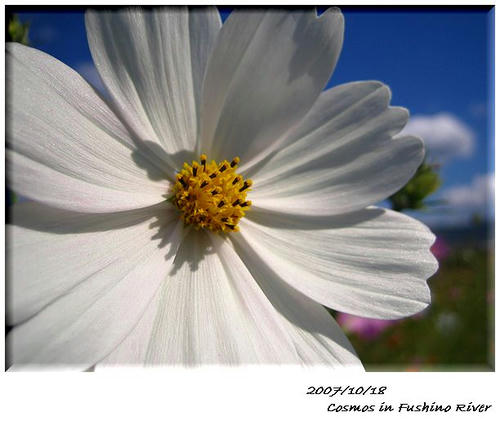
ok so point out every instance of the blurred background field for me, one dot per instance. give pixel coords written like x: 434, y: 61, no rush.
x: 439, y: 64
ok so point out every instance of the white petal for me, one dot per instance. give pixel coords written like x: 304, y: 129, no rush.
x: 153, y: 62
x: 50, y: 251
x: 204, y: 26
x: 342, y: 157
x: 372, y: 263
x: 316, y: 336
x: 67, y: 148
x: 88, y: 322
x: 133, y: 349
x: 212, y: 311
x: 38, y: 181
x: 266, y: 70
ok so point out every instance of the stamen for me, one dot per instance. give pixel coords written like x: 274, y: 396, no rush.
x: 246, y: 185
x: 210, y: 195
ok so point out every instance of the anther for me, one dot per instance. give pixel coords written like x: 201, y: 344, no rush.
x: 246, y: 185
x: 221, y: 203
x: 181, y: 180
x: 205, y: 183
x: 213, y: 175
x: 236, y: 202
x: 195, y: 170
x: 214, y: 192
x: 235, y: 162
x: 231, y: 226
x: 223, y: 168
x: 236, y: 180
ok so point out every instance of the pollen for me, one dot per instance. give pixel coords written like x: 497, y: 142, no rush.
x: 211, y: 195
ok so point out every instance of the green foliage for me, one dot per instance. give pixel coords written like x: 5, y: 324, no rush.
x: 425, y: 182
x: 17, y: 31
x: 11, y: 197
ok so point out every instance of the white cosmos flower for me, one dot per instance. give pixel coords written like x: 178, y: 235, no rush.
x: 102, y: 270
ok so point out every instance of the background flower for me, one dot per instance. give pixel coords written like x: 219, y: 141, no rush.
x: 367, y: 329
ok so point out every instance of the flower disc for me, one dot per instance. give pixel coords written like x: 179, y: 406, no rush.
x: 211, y: 195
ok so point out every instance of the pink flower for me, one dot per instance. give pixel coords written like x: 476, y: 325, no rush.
x: 366, y: 328
x: 440, y: 249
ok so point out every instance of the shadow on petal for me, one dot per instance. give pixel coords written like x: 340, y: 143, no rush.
x: 150, y: 156
x: 275, y: 219
x: 299, y: 310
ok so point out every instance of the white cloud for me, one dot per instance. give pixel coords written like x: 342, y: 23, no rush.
x: 444, y: 219
x: 89, y: 72
x: 444, y: 135
x: 475, y: 195
x: 460, y: 203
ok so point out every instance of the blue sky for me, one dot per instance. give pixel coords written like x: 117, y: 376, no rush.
x: 438, y: 63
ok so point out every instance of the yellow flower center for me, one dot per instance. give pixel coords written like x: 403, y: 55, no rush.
x: 211, y: 195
